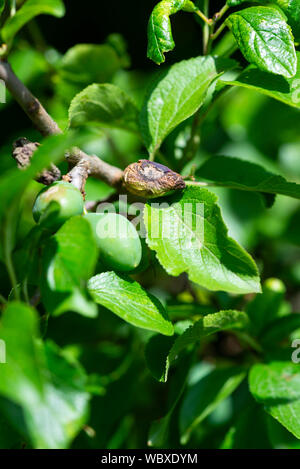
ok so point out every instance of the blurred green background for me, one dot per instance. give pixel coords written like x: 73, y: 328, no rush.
x: 243, y: 124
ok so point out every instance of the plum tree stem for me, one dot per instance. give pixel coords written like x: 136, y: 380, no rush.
x: 89, y: 165
x: 29, y: 103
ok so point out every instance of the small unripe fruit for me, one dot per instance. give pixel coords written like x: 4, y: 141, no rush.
x: 56, y: 203
x: 117, y: 239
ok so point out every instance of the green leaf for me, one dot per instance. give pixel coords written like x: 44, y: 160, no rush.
x: 188, y: 234
x: 292, y: 10
x: 277, y: 387
x: 120, y: 46
x: 187, y: 311
x: 2, y: 5
x: 14, y: 182
x: 89, y: 63
x: 8, y: 238
x: 68, y: 261
x: 156, y: 353
x: 158, y: 348
x: 244, y: 175
x: 265, y: 39
x: 266, y: 308
x: 280, y: 329
x: 83, y: 65
x: 160, y: 39
x: 280, y: 437
x: 174, y: 96
x: 9, y: 438
x: 234, y: 3
x: 208, y: 325
x: 290, y: 7
x: 160, y: 429
x: 27, y: 12
x: 286, y: 90
x: 29, y: 65
x: 49, y: 389
x: 104, y: 105
x: 239, y: 436
x: 203, y: 396
x: 128, y: 300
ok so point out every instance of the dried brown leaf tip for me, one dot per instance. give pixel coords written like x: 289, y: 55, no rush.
x: 23, y: 151
x: 149, y: 179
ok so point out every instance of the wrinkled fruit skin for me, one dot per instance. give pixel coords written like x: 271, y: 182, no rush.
x: 118, y: 241
x: 56, y: 203
x: 149, y: 179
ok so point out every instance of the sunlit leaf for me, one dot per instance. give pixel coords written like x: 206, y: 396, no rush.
x: 277, y: 387
x: 126, y: 298
x: 160, y: 39
x: 265, y: 39
x: 189, y: 235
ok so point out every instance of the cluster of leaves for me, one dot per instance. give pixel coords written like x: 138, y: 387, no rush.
x: 70, y: 362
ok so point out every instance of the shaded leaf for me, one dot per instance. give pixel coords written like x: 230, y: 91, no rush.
x: 158, y: 348
x: 105, y: 105
x: 203, y: 396
x: 9, y: 438
x: 89, y: 63
x: 266, y: 308
x: 160, y: 429
x: 209, y: 324
x: 239, y: 436
x: 120, y: 46
x: 38, y: 378
x: 280, y: 329
x: 156, y: 353
x: 83, y: 65
x: 68, y: 261
x: 244, y: 175
x: 27, y: 12
x: 280, y: 437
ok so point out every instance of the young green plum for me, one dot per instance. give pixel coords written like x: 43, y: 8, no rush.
x: 56, y: 203
x: 117, y: 239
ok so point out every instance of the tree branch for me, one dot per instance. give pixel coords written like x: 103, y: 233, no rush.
x: 97, y: 168
x: 29, y: 103
x: 43, y: 122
